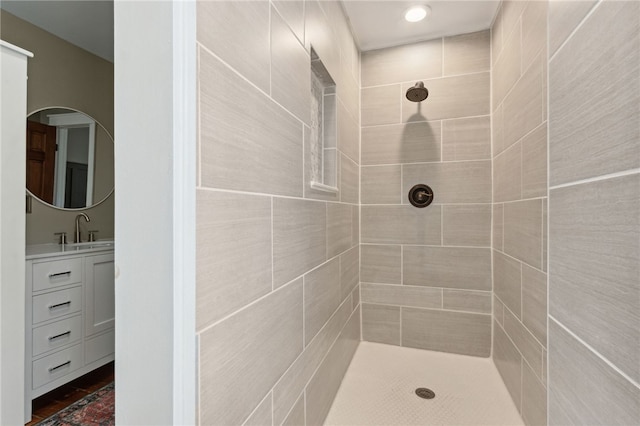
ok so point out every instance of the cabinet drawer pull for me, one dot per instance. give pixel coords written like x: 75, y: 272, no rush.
x: 57, y: 336
x: 52, y: 369
x: 58, y: 305
x: 59, y: 274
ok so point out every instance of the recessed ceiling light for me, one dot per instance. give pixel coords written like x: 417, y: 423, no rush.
x: 417, y: 13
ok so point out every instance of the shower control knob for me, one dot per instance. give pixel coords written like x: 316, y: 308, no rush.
x: 420, y: 195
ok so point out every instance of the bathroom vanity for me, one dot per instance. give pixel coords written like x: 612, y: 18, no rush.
x: 69, y: 313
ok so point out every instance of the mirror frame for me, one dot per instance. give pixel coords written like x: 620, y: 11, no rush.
x: 31, y: 195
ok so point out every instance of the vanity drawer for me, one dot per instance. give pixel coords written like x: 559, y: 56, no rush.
x: 56, y: 335
x: 56, y: 304
x: 56, y: 365
x: 52, y: 274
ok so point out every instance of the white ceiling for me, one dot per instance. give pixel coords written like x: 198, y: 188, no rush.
x: 86, y: 23
x: 378, y: 24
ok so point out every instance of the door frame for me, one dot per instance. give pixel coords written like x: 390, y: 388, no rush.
x: 155, y: 111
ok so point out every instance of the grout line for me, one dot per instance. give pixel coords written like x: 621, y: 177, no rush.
x: 596, y: 179
x: 424, y: 79
x: 270, y: 50
x: 575, y: 30
x: 403, y: 124
x: 245, y: 79
x: 260, y: 194
x: 595, y: 352
x: 273, y: 273
x: 427, y: 245
x: 419, y: 163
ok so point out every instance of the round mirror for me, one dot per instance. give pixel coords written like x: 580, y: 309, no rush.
x: 69, y: 159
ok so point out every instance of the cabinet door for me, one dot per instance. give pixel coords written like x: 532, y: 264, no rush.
x: 99, y: 293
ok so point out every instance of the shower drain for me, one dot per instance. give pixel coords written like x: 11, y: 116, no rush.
x: 425, y: 393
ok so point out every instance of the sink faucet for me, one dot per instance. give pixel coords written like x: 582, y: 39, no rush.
x: 78, y: 238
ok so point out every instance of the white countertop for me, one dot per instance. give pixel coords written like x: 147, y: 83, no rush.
x: 40, y: 251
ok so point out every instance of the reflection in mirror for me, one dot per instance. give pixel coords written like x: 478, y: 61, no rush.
x: 69, y: 159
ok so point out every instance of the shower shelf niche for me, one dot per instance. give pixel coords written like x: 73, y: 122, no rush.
x: 323, y: 134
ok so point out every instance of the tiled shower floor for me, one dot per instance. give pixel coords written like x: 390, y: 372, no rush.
x: 379, y: 389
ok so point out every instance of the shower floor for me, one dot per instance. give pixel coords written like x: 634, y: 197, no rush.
x: 379, y: 389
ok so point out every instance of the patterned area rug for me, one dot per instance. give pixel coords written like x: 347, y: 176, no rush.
x: 96, y: 409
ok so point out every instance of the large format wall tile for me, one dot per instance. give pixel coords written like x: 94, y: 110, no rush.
x: 466, y: 139
x: 404, y: 63
x: 523, y: 231
x: 507, y: 284
x: 248, y: 142
x: 594, y: 125
x: 380, y: 184
x: 401, y: 225
x: 602, y: 396
x: 321, y: 297
x: 507, y: 181
x: 293, y: 382
x: 381, y: 105
x: 600, y: 221
x: 466, y: 53
x: 339, y: 218
x: 290, y: 76
x: 325, y: 383
x: 534, y: 398
x: 534, y: 31
x: 498, y: 211
x: 222, y: 28
x: 242, y: 357
x: 381, y: 323
x: 466, y: 225
x: 349, y: 180
x: 564, y: 17
x: 467, y: 300
x: 455, y: 332
x: 402, y: 295
x: 450, y: 97
x: 401, y: 143
x: 534, y: 302
x: 534, y: 163
x: 293, y: 13
x: 524, y: 105
x: 507, y: 69
x: 349, y: 271
x: 296, y: 416
x: 348, y: 134
x: 299, y: 237
x: 263, y: 415
x: 381, y: 264
x: 464, y: 182
x: 449, y: 267
x: 528, y: 346
x: 509, y: 363
x: 231, y: 228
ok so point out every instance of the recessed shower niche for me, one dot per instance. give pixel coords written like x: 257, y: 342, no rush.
x: 324, y: 152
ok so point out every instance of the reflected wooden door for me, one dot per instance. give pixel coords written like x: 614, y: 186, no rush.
x: 41, y: 159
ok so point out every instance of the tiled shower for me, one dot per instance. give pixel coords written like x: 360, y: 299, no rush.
x: 530, y: 138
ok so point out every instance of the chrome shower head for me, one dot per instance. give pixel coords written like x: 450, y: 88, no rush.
x: 417, y: 93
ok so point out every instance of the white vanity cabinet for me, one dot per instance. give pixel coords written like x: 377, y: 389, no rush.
x: 69, y: 315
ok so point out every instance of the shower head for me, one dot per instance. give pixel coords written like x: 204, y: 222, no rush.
x: 417, y: 93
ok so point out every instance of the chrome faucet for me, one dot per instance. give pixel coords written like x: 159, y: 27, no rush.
x: 78, y: 238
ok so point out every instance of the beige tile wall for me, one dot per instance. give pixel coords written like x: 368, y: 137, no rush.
x: 278, y: 313
x: 594, y: 213
x: 519, y: 44
x: 426, y: 273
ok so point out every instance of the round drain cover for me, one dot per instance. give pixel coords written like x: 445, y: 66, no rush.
x: 425, y: 393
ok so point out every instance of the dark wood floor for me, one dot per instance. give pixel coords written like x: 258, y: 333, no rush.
x: 54, y: 401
